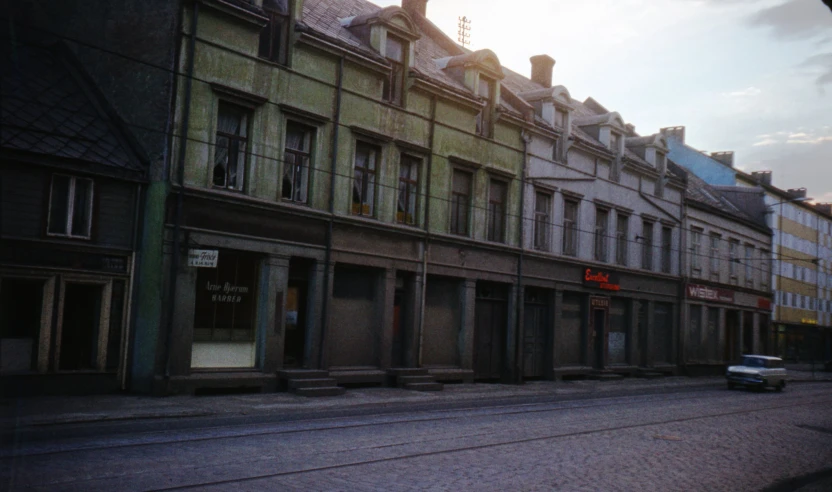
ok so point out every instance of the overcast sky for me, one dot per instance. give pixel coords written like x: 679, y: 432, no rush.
x: 752, y: 76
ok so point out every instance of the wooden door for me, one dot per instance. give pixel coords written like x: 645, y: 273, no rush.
x: 491, y: 317
x: 535, y: 339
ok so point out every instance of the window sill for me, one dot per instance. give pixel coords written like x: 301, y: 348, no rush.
x: 67, y: 236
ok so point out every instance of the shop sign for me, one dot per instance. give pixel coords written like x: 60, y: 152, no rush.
x: 763, y: 303
x: 226, y: 292
x: 809, y: 321
x: 705, y: 293
x: 203, y: 258
x: 599, y: 302
x: 601, y: 280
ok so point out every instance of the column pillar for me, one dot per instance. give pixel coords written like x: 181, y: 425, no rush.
x: 271, y: 312
x: 323, y: 323
x: 632, y: 335
x: 513, y: 334
x: 182, y: 338
x: 411, y: 333
x: 557, y: 311
x: 648, y: 338
x: 386, y: 305
x: 468, y: 298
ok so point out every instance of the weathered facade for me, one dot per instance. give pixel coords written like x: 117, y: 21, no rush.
x: 71, y: 183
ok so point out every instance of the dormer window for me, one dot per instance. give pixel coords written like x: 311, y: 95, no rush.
x: 274, y: 37
x: 394, y: 85
x: 614, y: 142
x: 561, y: 118
x: 661, y: 163
x: 485, y: 90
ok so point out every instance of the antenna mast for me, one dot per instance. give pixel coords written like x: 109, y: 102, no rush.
x: 464, y: 33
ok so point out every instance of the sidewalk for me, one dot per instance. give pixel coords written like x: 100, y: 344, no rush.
x: 44, y: 411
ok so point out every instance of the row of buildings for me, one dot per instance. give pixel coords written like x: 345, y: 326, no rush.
x: 210, y: 193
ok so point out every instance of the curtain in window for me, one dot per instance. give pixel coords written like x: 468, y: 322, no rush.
x: 295, y: 165
x: 229, y: 151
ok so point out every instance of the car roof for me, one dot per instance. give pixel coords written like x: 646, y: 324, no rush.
x: 766, y: 357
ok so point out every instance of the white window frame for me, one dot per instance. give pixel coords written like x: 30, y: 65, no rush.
x: 70, y: 207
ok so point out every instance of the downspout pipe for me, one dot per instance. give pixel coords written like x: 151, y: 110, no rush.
x: 330, y: 225
x: 132, y: 290
x: 180, y: 181
x: 521, y: 236
x: 426, y: 242
x: 682, y: 332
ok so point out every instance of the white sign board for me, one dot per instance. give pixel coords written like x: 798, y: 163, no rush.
x: 203, y: 258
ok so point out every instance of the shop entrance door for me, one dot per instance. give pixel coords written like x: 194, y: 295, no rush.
x: 400, y: 320
x: 535, y: 333
x: 80, y: 327
x: 297, y: 292
x: 21, y: 307
x: 599, y: 324
x: 490, y: 322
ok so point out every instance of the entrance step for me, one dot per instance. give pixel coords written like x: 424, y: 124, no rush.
x: 452, y: 375
x: 403, y: 380
x: 360, y: 376
x: 295, y: 384
x: 408, y: 371
x: 322, y: 391
x: 302, y: 374
x: 434, y: 386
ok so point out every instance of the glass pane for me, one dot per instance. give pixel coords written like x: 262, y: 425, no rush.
x: 395, y: 49
x: 236, y: 158
x: 81, y: 210
x: 288, y: 185
x: 59, y: 205
x: 462, y: 183
x: 220, y: 161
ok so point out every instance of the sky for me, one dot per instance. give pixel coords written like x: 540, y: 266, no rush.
x: 750, y: 76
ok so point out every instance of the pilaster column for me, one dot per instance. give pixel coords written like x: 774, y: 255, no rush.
x: 468, y: 298
x: 386, y: 306
x: 271, y: 312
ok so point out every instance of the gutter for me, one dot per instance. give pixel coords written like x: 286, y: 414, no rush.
x: 180, y: 176
x: 330, y: 225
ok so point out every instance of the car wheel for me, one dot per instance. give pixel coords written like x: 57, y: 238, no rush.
x: 780, y: 386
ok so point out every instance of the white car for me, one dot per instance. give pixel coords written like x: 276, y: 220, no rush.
x: 759, y: 372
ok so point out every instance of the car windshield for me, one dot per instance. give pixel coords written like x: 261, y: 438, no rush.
x: 753, y: 362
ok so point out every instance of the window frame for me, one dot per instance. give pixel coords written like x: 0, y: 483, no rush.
x: 765, y: 270
x: 667, y: 249
x: 696, y: 234
x: 70, y: 207
x: 454, y: 226
x: 615, y: 142
x: 733, y: 260
x: 393, y: 89
x: 411, y: 187
x: 622, y: 242
x: 600, y: 249
x: 358, y: 209
x: 713, y: 257
x: 485, y: 118
x: 306, y: 181
x: 647, y: 244
x: 541, y: 235
x: 570, y: 226
x: 496, y: 232
x: 749, y: 273
x: 276, y: 19
x: 246, y: 115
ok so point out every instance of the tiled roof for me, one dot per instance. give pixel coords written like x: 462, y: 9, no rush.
x: 701, y: 192
x: 46, y: 108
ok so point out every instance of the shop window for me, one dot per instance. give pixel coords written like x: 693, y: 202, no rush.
x: 21, y: 307
x: 667, y: 249
x: 647, y: 245
x: 460, y: 202
x: 497, y: 195
x: 364, y: 179
x: 602, y: 217
x: 622, y: 225
x: 70, y: 207
x: 230, y: 147
x: 274, y: 37
x: 408, y: 189
x: 396, y: 50
x: 542, y: 219
x: 296, y: 166
x: 570, y: 228
x: 226, y: 299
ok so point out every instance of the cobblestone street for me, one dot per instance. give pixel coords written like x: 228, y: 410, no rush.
x: 703, y: 438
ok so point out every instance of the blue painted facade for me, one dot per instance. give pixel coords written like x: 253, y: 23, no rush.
x: 708, y: 169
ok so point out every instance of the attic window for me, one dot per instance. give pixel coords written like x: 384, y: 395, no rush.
x: 661, y: 163
x: 561, y: 118
x: 485, y: 90
x: 274, y: 37
x: 614, y: 142
x: 394, y: 85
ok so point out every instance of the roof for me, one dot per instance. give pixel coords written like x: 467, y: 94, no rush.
x: 47, y: 107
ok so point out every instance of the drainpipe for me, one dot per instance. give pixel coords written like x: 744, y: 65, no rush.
x: 683, y: 234
x: 180, y: 177
x: 135, y: 264
x: 426, y: 242
x: 518, y: 350
x: 328, y: 254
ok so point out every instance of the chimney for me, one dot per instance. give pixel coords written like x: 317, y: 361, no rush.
x: 726, y: 158
x: 797, y: 192
x: 762, y: 177
x: 675, y: 132
x: 416, y: 7
x: 542, y: 66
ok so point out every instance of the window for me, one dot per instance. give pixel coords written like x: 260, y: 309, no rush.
x: 661, y: 163
x: 296, y: 162
x: 561, y: 118
x: 70, y: 207
x: 733, y: 259
x: 497, y: 211
x: 226, y: 299
x: 230, y: 148
x: 647, y: 245
x: 715, y: 256
x: 667, y: 243
x: 275, y: 34
x: 408, y: 189
x: 394, y: 85
x: 570, y: 228
x: 601, y: 220
x: 460, y: 202
x: 364, y: 181
x: 542, y: 218
x: 695, y: 252
x: 614, y: 142
x: 486, y: 91
x: 557, y: 150
x: 622, y: 224
x: 749, y: 255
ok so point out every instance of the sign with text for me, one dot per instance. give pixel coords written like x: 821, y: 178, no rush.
x: 713, y: 294
x: 203, y: 258
x: 809, y: 321
x: 763, y: 303
x: 599, y: 302
x: 601, y: 279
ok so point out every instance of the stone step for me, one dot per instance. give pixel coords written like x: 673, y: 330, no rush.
x: 311, y: 383
x: 302, y: 374
x: 322, y: 391
x: 408, y: 371
x: 362, y: 376
x: 402, y: 380
x: 452, y: 374
x: 609, y: 377
x: 424, y: 386
x: 649, y: 375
